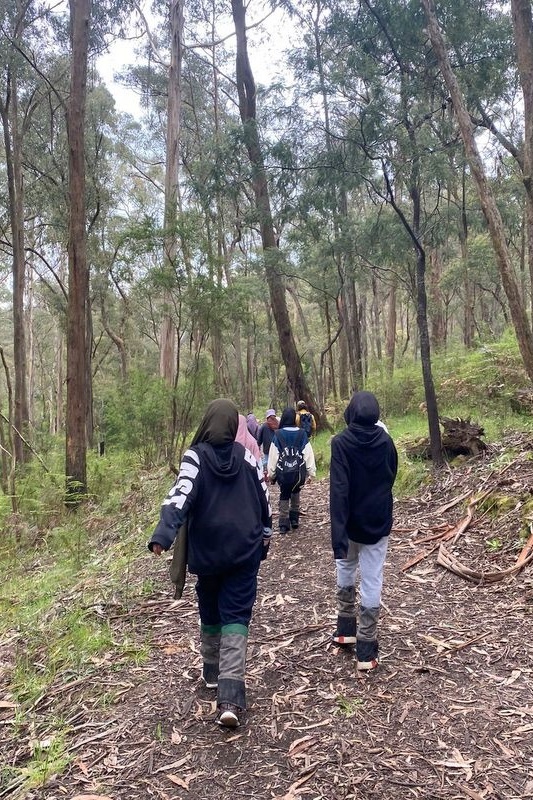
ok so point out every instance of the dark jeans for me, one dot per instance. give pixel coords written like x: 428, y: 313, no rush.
x: 228, y: 598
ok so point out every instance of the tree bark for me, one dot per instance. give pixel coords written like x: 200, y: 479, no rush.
x: 13, y: 161
x: 486, y: 196
x: 272, y: 256
x: 77, y: 309
x: 167, y: 343
x: 390, y: 339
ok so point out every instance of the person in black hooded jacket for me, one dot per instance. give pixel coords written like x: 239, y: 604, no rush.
x: 363, y: 468
x: 221, y: 493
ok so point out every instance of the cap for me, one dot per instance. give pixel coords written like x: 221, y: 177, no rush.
x: 271, y: 412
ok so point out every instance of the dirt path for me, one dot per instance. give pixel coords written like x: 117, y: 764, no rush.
x: 449, y: 713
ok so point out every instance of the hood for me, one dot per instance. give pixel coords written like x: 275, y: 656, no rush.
x: 363, y: 410
x: 223, y: 460
x: 288, y: 418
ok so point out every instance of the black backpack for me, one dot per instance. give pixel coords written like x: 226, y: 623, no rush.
x: 290, y: 469
x: 306, y: 422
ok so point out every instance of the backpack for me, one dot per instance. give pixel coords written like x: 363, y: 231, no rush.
x: 290, y: 469
x: 306, y: 422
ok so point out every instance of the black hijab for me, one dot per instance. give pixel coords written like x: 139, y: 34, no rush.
x: 363, y: 409
x: 288, y: 418
x: 219, y: 424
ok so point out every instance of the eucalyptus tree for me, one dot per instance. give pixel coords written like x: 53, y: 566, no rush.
x: 246, y: 89
x: 20, y: 94
x: 380, y: 109
x: 487, y: 199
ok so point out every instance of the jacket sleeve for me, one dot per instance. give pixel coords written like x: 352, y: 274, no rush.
x: 178, y: 502
x: 393, y: 460
x: 264, y: 500
x: 273, y: 456
x: 309, y: 458
x: 339, y: 500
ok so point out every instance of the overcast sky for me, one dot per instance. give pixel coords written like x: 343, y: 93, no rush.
x: 267, y: 44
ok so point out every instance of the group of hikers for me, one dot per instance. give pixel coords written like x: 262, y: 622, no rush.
x: 222, y: 495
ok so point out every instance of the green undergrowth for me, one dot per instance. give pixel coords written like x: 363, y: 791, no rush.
x: 63, y: 576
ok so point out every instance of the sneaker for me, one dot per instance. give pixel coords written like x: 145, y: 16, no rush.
x: 366, y: 666
x: 343, y: 641
x: 346, y: 633
x: 367, y: 655
x: 210, y: 676
x: 228, y: 715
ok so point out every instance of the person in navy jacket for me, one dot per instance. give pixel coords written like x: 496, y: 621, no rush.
x: 363, y: 468
x: 221, y: 493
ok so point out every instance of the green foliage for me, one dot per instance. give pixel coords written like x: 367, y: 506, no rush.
x: 136, y: 416
x: 479, y: 381
x: 348, y: 706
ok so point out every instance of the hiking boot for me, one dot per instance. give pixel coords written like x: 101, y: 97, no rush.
x: 346, y: 633
x: 229, y: 715
x: 367, y: 655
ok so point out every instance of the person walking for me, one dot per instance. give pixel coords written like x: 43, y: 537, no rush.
x: 290, y: 461
x: 253, y: 425
x: 304, y: 419
x: 266, y: 435
x: 247, y: 439
x: 221, y: 492
x: 363, y: 468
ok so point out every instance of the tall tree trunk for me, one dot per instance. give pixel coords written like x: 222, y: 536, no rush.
x: 523, y: 34
x: 167, y: 344
x: 390, y: 340
x: 13, y: 161
x: 438, y: 316
x: 272, y: 256
x: 344, y: 373
x: 330, y: 384
x: 486, y: 196
x: 76, y: 443
x: 413, y: 229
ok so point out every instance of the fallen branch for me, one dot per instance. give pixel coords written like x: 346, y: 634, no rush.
x: 451, y: 563
x: 450, y: 533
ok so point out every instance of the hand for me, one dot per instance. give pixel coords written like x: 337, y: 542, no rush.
x: 266, y: 545
x: 157, y: 549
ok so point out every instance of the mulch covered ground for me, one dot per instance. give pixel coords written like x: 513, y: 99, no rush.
x: 448, y: 714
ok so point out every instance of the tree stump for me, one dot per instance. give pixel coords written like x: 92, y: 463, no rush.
x: 460, y: 437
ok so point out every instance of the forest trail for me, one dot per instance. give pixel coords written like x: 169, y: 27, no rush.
x: 448, y: 714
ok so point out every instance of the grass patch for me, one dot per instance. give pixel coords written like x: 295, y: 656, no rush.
x: 48, y: 757
x: 348, y: 706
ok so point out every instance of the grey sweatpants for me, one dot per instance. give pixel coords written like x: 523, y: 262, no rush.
x: 370, y: 558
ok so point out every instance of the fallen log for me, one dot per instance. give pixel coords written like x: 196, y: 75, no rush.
x: 459, y: 437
